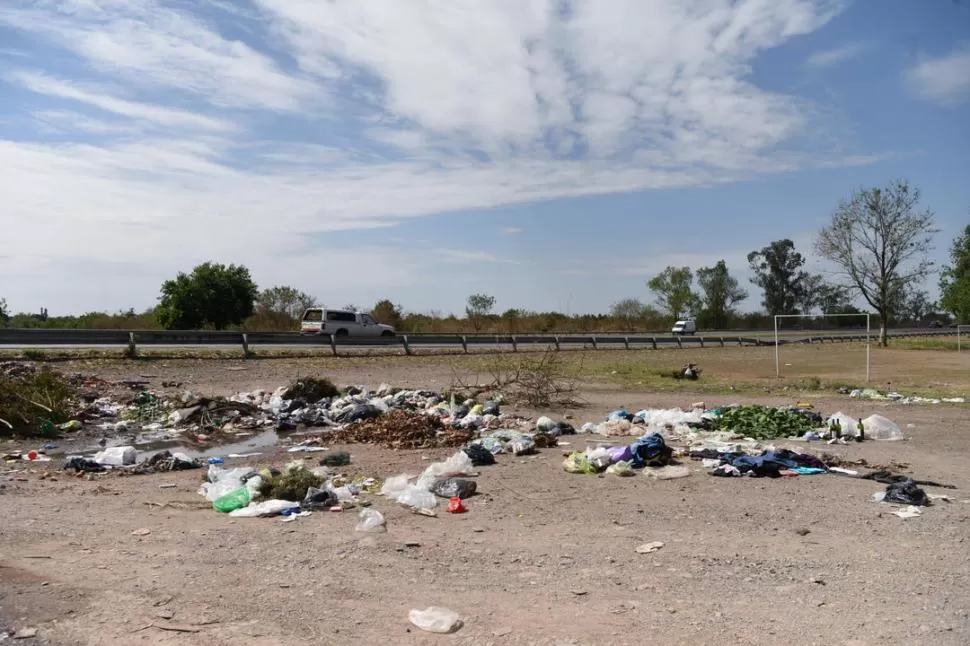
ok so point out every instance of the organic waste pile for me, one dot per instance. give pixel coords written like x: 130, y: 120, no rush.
x: 401, y: 429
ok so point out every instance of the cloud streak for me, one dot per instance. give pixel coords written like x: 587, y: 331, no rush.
x: 828, y: 58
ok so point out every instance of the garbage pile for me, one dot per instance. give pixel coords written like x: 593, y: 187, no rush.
x: 297, y: 490
x: 893, y: 396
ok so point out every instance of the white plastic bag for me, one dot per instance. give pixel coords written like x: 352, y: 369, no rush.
x: 395, y: 485
x: 117, y: 456
x: 667, y: 473
x: 435, y: 619
x: 371, y: 520
x: 545, y: 424
x: 457, y: 465
x: 877, y: 427
x: 223, y: 481
x: 265, y: 508
x: 417, y: 497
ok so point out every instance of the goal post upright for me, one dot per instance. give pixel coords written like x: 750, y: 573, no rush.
x: 868, y: 318
x: 960, y: 329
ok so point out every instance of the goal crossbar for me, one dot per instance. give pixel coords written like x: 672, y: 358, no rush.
x: 867, y: 317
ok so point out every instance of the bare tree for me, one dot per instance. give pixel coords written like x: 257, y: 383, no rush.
x: 880, y: 241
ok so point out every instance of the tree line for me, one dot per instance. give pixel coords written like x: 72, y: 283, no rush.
x: 877, y: 241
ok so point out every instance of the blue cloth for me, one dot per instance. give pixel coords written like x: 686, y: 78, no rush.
x: 650, y: 450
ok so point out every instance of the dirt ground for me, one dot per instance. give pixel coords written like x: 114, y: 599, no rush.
x: 541, y: 557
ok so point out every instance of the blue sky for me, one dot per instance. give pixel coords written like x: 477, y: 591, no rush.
x: 555, y: 154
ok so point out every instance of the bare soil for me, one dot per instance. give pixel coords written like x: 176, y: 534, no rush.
x: 541, y: 557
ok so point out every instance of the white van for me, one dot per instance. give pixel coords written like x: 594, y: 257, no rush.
x: 318, y: 320
x: 685, y: 327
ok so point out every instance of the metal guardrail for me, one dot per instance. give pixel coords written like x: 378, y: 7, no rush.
x: 131, y: 339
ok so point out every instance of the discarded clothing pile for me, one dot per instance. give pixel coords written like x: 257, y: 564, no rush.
x: 770, y: 464
x: 649, y: 451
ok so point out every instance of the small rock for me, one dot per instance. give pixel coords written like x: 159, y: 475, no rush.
x: 25, y: 633
x: 804, y: 531
x: 647, y: 548
x: 412, y: 544
x: 165, y: 613
x: 502, y: 632
x: 478, y: 530
x: 579, y: 593
x: 141, y: 532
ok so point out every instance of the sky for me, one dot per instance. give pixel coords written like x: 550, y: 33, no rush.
x: 555, y: 154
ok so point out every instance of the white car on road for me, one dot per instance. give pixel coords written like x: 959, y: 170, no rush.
x: 342, y: 323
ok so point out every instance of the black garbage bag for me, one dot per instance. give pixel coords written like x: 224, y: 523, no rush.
x: 479, y: 455
x: 490, y: 408
x: 318, y: 499
x: 451, y: 487
x: 565, y: 428
x: 906, y: 493
x: 79, y: 463
x: 460, y: 412
x: 359, y: 413
x: 335, y: 459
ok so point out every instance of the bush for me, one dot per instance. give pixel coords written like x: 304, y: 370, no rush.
x: 33, y: 401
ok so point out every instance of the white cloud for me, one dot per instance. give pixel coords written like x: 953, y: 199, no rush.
x: 511, y: 231
x: 944, y: 80
x: 236, y: 130
x: 43, y: 84
x: 827, y: 58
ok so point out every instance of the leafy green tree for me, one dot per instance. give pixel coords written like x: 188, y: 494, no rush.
x: 720, y: 292
x: 880, y: 241
x: 4, y: 313
x: 673, y: 290
x: 387, y: 313
x: 212, y: 296
x: 284, y: 301
x: 955, y: 279
x: 478, y: 309
x: 778, y: 272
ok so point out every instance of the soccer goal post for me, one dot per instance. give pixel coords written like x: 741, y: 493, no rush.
x: 867, y: 317
x: 960, y: 334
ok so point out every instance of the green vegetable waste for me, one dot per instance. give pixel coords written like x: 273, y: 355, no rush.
x: 764, y: 423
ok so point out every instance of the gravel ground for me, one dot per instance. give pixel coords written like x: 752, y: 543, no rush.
x: 541, y: 557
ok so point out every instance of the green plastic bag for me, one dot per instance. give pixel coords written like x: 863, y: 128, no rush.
x: 232, y: 501
x: 577, y: 462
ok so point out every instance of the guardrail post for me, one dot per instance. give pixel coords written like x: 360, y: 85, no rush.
x: 132, y: 348
x: 464, y: 343
x: 333, y: 344
x: 722, y: 341
x: 245, y: 345
x: 702, y: 340
x: 595, y: 345
x: 407, y: 346
x: 740, y: 342
x: 680, y: 343
x: 626, y: 342
x: 515, y: 346
x: 653, y: 342
x: 556, y: 339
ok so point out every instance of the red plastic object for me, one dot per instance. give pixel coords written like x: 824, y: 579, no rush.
x: 31, y: 455
x: 455, y: 506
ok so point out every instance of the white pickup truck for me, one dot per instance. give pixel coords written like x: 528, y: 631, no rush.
x: 318, y: 320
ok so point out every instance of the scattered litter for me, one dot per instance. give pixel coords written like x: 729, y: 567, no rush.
x: 435, y: 619
x: 908, y: 512
x: 371, y: 520
x: 648, y: 548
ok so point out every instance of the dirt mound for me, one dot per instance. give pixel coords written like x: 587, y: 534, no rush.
x: 399, y: 429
